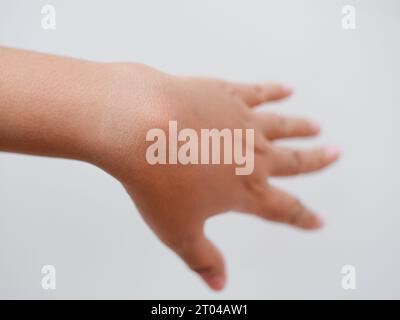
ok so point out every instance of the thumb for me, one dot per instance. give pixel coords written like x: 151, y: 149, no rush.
x: 202, y: 256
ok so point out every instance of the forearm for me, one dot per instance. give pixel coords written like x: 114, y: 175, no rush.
x: 50, y: 105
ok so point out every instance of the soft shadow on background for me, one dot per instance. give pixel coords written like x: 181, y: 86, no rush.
x: 79, y: 219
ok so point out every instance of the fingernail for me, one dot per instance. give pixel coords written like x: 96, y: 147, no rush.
x: 319, y: 222
x: 316, y: 127
x: 287, y: 90
x: 216, y: 282
x: 332, y: 152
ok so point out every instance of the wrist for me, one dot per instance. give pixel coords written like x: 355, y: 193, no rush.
x: 92, y: 137
x: 120, y: 115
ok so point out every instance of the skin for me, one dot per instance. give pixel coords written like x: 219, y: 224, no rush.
x: 100, y: 113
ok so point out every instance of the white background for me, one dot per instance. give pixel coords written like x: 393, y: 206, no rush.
x: 79, y: 219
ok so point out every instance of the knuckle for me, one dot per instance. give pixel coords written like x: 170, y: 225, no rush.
x: 296, y: 212
x: 298, y: 161
x: 258, y: 92
x: 279, y: 124
x: 202, y: 269
x: 274, y: 120
x: 256, y: 186
x: 260, y: 142
x: 282, y: 123
x: 253, y: 196
x: 297, y: 205
x: 321, y: 159
x: 274, y: 216
x: 183, y: 244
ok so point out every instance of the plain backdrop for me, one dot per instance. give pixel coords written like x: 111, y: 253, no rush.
x: 79, y: 219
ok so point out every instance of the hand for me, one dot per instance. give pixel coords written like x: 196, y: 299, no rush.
x: 176, y: 200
